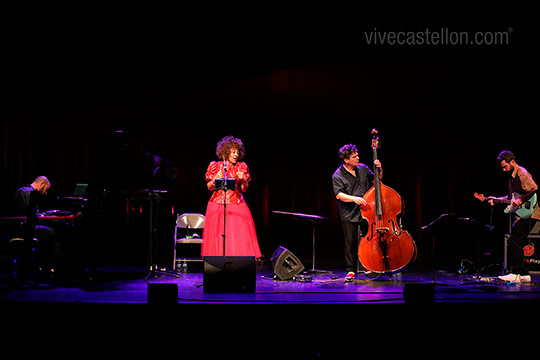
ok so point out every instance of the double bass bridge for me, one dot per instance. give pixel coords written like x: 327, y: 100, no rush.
x: 382, y: 230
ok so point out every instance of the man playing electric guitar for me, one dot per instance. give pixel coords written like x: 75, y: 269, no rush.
x: 520, y: 182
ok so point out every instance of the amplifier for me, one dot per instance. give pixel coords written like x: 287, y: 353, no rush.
x: 531, y: 252
x: 229, y: 274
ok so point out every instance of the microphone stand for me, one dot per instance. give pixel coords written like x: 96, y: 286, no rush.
x: 225, y: 188
x: 224, y: 184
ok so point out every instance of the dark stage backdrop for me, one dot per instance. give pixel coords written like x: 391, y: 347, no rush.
x: 443, y: 115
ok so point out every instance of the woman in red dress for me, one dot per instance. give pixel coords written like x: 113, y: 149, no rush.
x: 241, y: 238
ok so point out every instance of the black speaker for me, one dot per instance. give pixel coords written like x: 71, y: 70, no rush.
x: 419, y: 294
x: 162, y: 293
x: 229, y: 274
x: 285, y: 264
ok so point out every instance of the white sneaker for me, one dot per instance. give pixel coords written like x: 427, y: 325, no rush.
x: 510, y: 278
x: 518, y: 279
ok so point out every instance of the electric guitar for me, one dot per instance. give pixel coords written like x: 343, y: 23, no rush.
x: 524, y: 211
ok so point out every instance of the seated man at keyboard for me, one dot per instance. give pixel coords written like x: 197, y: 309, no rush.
x: 25, y: 203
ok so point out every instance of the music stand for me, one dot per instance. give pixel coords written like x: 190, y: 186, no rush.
x: 221, y: 184
x: 313, y: 219
x: 451, y: 219
x: 154, y: 196
x: 442, y: 220
x: 476, y: 226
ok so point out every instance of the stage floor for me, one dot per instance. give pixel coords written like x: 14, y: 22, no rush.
x: 324, y: 318
x: 128, y: 285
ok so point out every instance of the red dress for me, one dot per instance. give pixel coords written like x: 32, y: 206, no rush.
x: 241, y: 237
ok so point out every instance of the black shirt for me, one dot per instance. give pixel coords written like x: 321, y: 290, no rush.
x: 346, y: 183
x: 24, y: 201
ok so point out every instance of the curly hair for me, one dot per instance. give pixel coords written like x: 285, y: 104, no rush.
x: 346, y: 151
x: 225, y: 145
x: 506, y: 155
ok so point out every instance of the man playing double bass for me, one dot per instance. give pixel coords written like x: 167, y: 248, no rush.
x: 351, y: 181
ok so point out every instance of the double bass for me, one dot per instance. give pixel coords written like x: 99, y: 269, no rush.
x: 385, y: 247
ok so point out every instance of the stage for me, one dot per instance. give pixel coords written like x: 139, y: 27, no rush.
x: 128, y: 286
x: 292, y: 318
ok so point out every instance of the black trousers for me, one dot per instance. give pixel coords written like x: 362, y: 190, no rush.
x: 48, y: 248
x: 517, y: 241
x: 351, y: 235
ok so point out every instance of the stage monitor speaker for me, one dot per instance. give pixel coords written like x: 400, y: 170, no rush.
x: 162, y: 293
x: 285, y: 264
x: 419, y: 294
x: 229, y: 274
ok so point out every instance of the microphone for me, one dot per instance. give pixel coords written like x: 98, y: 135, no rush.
x: 224, y: 168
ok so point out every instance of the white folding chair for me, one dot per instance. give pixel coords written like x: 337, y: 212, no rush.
x: 190, y: 222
